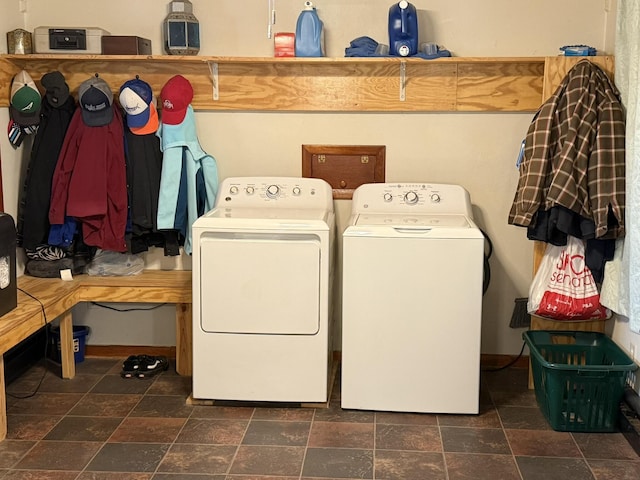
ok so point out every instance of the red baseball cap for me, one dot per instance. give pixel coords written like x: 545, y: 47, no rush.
x: 176, y: 95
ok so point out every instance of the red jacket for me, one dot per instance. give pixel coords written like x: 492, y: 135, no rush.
x: 89, y: 182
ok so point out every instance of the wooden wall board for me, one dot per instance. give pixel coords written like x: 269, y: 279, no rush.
x: 310, y: 84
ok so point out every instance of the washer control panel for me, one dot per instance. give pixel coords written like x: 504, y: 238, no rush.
x: 275, y: 192
x: 411, y: 197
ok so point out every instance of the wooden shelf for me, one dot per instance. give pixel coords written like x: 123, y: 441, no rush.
x: 389, y: 84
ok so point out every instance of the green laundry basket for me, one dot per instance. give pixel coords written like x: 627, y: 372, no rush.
x: 579, y: 378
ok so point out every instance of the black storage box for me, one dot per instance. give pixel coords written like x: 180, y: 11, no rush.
x: 8, y: 288
x: 125, y: 45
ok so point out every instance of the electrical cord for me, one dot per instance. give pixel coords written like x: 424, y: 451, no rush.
x: 512, y: 362
x: 485, y: 286
x: 133, y: 309
x: 487, y: 268
x: 46, y: 350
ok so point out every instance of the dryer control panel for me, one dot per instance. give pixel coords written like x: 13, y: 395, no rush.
x: 280, y: 192
x: 422, y: 198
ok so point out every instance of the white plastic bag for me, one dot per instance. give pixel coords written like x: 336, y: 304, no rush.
x: 106, y: 263
x: 563, y: 287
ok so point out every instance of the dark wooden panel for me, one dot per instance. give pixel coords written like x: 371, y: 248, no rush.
x: 344, y: 167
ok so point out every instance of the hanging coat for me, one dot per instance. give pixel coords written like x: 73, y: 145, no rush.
x: 90, y: 183
x: 189, y: 181
x: 33, y: 217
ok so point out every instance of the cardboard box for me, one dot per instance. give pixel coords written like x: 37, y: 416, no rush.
x: 125, y: 45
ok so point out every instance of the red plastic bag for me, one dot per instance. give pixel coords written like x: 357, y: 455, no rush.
x: 563, y: 287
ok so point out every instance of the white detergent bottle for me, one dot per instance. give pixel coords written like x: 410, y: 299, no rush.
x: 309, y: 33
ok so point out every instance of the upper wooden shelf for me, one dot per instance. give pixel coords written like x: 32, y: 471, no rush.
x: 389, y: 84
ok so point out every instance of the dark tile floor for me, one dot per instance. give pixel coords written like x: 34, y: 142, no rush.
x: 99, y: 426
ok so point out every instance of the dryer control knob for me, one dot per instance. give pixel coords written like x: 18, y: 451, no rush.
x: 387, y: 197
x: 233, y: 190
x: 249, y: 190
x: 435, y: 198
x: 273, y: 191
x: 296, y: 191
x: 411, y: 198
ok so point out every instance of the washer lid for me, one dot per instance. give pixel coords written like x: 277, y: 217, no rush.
x: 412, y: 221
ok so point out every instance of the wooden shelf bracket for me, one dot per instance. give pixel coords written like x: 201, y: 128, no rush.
x: 213, y: 69
x: 403, y: 81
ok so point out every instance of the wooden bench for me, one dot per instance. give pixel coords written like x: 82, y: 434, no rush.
x: 58, y: 297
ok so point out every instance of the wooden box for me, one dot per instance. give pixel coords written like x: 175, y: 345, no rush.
x: 125, y: 45
x: 344, y: 167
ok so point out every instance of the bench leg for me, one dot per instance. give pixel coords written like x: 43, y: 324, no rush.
x: 184, y: 333
x: 3, y: 402
x: 66, y: 346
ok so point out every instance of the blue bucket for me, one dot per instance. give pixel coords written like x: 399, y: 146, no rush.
x: 80, y: 334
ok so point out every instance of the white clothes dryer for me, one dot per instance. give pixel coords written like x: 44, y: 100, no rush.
x: 262, y: 275
x: 412, y: 300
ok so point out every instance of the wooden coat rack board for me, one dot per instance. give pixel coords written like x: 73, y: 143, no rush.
x: 553, y: 78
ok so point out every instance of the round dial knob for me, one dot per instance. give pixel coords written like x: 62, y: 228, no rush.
x: 233, y: 190
x: 296, y: 191
x: 387, y: 197
x: 273, y: 191
x: 411, y: 198
x: 435, y: 198
x: 250, y: 190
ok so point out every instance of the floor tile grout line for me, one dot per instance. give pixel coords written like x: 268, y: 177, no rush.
x: 164, y: 456
x: 306, y: 448
x: 444, y: 454
x: 504, y: 432
x: 105, y: 443
x: 235, y: 454
x: 375, y: 444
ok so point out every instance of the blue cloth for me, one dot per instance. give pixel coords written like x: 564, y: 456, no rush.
x: 183, y: 162
x: 61, y: 235
x: 368, y: 47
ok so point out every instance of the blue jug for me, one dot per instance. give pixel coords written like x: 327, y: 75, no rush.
x: 309, y: 40
x: 403, y: 29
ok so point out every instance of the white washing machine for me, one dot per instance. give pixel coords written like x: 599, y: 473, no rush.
x: 262, y: 274
x: 412, y: 300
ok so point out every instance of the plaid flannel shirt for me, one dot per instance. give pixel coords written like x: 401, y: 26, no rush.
x: 574, y: 153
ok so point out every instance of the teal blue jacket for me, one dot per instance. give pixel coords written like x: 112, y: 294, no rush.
x: 189, y: 180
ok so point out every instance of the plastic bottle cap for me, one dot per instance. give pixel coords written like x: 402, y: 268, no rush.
x: 309, y: 6
x: 403, y: 4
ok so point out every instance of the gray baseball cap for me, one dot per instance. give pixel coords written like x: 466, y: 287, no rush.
x: 96, y: 99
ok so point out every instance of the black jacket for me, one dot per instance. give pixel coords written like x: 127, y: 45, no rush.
x: 33, y: 211
x: 144, y: 166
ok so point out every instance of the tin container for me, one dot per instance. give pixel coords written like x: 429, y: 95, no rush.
x: 19, y: 42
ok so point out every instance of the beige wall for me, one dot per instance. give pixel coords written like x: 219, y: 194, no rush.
x: 477, y: 151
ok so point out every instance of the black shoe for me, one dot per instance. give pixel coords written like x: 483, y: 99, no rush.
x: 151, y: 365
x: 130, y: 366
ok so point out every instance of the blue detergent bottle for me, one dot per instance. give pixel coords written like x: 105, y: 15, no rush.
x: 403, y: 29
x: 309, y: 40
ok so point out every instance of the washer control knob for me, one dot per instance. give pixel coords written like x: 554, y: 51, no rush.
x: 435, y: 198
x: 296, y: 191
x: 411, y: 197
x: 233, y: 190
x: 387, y: 197
x: 273, y: 191
x: 250, y: 190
